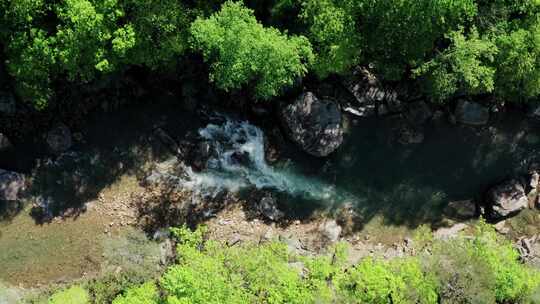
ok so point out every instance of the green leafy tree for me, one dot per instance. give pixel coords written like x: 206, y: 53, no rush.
x: 518, y: 62
x: 242, y: 52
x: 466, y: 66
x: 401, y: 34
x: 334, y: 34
x: 159, y: 31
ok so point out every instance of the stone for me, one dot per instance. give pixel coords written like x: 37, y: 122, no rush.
x: 12, y: 185
x: 59, y: 139
x: 408, y: 135
x: 506, y: 199
x: 395, y: 105
x: 471, y: 113
x: 4, y: 142
x: 268, y: 208
x: 7, y: 103
x: 167, y: 141
x: 314, y: 124
x: 382, y: 110
x: 331, y: 230
x: 418, y: 112
x: 461, y: 210
x: 446, y: 233
x: 501, y: 227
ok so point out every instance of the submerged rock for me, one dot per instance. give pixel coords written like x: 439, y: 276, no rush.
x: 12, y: 185
x: 461, y: 210
x: 314, y: 124
x: 7, y: 103
x: 268, y: 208
x: 4, y: 142
x: 418, y: 112
x: 506, y: 199
x: 471, y: 113
x: 408, y: 135
x: 59, y: 139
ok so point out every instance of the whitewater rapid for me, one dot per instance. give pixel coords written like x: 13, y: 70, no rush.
x: 238, y: 162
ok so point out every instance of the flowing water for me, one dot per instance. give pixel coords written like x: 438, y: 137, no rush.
x: 405, y: 184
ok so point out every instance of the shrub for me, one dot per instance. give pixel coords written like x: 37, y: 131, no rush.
x: 144, y: 294
x: 73, y: 295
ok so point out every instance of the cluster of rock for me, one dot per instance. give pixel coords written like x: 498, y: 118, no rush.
x: 314, y: 124
x: 512, y: 196
x: 12, y: 185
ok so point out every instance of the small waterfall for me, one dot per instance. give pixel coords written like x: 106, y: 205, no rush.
x: 238, y: 162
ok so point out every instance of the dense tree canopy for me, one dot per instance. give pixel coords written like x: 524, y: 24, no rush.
x: 241, y: 51
x: 450, y: 47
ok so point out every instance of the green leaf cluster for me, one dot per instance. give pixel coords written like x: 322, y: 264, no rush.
x: 242, y: 52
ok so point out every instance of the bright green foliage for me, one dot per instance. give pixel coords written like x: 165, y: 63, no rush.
x: 333, y: 32
x: 144, y: 294
x: 518, y: 71
x: 484, y: 269
x: 380, y: 282
x: 241, y: 51
x: 33, y: 57
x: 465, y: 67
x: 84, y: 36
x: 210, y: 273
x: 400, y: 33
x: 159, y: 31
x: 73, y: 295
x: 371, y: 281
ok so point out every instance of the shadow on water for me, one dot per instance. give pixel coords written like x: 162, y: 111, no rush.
x: 111, y: 145
x: 406, y: 185
x: 409, y: 185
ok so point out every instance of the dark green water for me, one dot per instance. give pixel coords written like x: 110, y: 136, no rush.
x: 410, y: 184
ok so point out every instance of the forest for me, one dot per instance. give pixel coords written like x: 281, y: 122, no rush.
x: 449, y: 47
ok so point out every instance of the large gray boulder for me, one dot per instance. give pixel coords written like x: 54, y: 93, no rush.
x: 471, y: 113
x: 59, y: 139
x: 12, y: 185
x: 506, y: 199
x: 314, y: 124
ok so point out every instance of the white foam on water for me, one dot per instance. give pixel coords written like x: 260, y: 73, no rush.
x: 238, y: 162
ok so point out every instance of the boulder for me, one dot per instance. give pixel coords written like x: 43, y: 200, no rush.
x: 418, y: 112
x: 460, y: 210
x: 331, y: 230
x: 7, y: 103
x: 4, y: 142
x: 268, y: 208
x: 446, y: 233
x: 408, y: 135
x: 313, y: 124
x: 59, y: 139
x: 506, y: 199
x: 471, y: 113
x: 12, y: 185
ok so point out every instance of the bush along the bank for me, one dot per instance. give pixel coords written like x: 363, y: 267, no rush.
x: 479, y: 268
x: 451, y: 47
